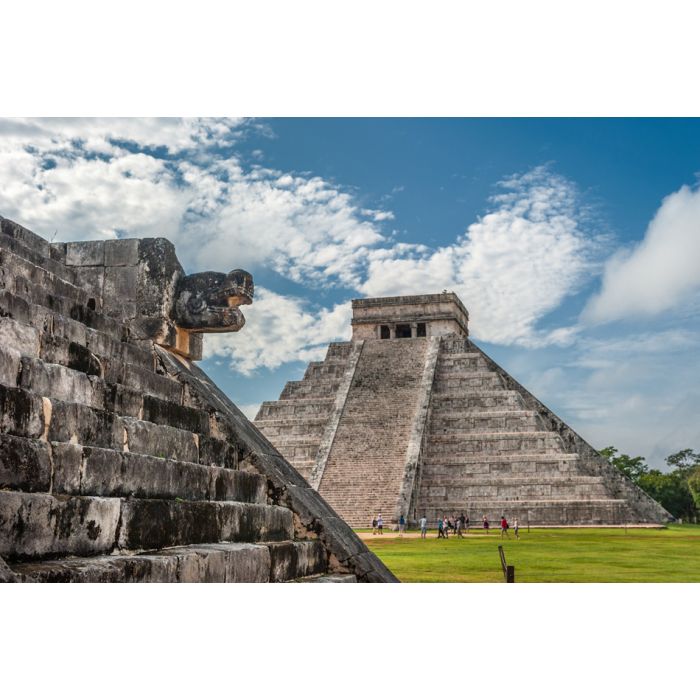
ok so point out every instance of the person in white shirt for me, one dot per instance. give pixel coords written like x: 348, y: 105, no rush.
x: 423, y: 526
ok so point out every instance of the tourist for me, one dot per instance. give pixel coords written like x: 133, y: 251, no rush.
x: 374, y: 526
x: 504, y: 526
x: 485, y: 524
x: 446, y: 525
x: 424, y: 527
x: 440, y: 528
x: 466, y: 523
x: 380, y: 524
x: 402, y: 525
x: 516, y: 529
x: 458, y: 524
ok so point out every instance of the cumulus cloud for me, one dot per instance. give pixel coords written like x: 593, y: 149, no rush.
x: 511, y: 267
x: 281, y: 329
x: 180, y: 178
x: 660, y: 273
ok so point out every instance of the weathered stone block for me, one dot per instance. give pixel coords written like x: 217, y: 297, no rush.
x: 24, y: 464
x: 21, y: 412
x: 290, y: 560
x: 160, y: 441
x: 85, y: 253
x: 75, y: 422
x: 175, y: 415
x: 122, y: 252
x: 38, y: 525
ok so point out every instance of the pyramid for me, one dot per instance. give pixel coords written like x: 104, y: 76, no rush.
x: 120, y: 460
x: 412, y: 418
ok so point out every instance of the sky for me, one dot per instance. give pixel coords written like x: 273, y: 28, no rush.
x: 573, y: 243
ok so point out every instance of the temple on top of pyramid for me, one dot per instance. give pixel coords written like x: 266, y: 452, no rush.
x: 411, y: 418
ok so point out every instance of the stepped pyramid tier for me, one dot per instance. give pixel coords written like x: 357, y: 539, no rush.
x: 120, y: 460
x: 411, y: 418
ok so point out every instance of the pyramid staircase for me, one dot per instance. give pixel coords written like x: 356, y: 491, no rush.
x: 120, y: 461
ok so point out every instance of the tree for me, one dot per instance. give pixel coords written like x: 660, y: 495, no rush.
x: 686, y: 461
x: 694, y: 486
x: 671, y: 490
x: 633, y: 467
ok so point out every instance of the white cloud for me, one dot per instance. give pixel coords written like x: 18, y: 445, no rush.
x: 662, y: 272
x: 280, y: 329
x: 511, y: 268
x: 82, y: 180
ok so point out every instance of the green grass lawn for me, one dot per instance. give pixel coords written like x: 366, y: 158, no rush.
x: 570, y: 555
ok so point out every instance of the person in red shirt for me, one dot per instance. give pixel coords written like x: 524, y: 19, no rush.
x: 504, y: 526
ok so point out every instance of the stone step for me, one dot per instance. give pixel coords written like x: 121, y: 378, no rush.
x: 468, y: 381
x: 536, y: 512
x: 220, y: 562
x: 54, y: 310
x: 36, y: 525
x: 65, y: 384
x: 47, y: 322
x: 484, y: 422
x: 32, y: 247
x: 457, y: 443
x: 488, y: 400
x: 66, y: 468
x: 19, y: 269
x: 329, y: 578
x: 309, y: 389
x: 295, y: 408
x: 339, y: 350
x: 289, y: 430
x: 26, y: 415
x: 513, y: 491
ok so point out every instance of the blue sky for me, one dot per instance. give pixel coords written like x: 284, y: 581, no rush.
x: 574, y: 243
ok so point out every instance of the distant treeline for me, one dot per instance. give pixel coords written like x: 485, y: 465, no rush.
x: 677, y: 490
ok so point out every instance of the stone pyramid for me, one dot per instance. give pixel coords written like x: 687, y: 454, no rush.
x: 411, y: 417
x: 120, y: 460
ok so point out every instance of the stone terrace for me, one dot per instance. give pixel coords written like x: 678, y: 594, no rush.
x: 119, y: 458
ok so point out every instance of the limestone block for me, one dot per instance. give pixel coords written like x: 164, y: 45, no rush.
x: 110, y: 473
x: 10, y: 364
x: 67, y: 468
x: 24, y: 464
x: 21, y: 413
x: 175, y: 415
x: 123, y: 400
x: 233, y: 485
x: 36, y: 525
x: 56, y: 381
x: 160, y: 440
x: 220, y: 453
x: 75, y: 422
x: 118, y: 294
x: 243, y: 522
x: 20, y: 337
x: 290, y: 560
x: 121, y: 252
x: 85, y: 253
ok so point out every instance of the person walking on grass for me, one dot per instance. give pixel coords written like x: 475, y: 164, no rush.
x: 423, y: 527
x: 374, y: 526
x: 402, y: 525
x: 458, y: 524
x: 516, y: 529
x: 466, y: 522
x: 504, y: 526
x: 440, y: 528
x: 380, y: 524
x: 485, y: 524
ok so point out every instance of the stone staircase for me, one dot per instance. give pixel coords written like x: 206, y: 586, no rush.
x: 365, y: 467
x: 489, y: 453
x: 296, y: 423
x: 114, y: 467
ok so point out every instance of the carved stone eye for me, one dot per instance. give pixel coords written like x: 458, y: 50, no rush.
x: 196, y: 304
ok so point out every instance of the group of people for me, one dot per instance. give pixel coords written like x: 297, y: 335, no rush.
x: 458, y: 524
